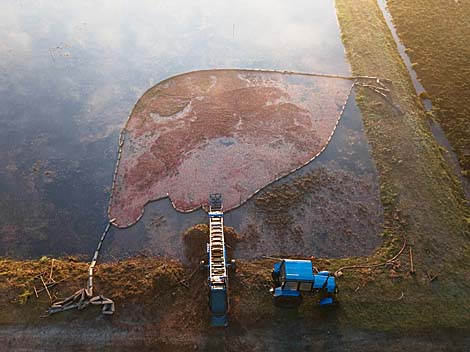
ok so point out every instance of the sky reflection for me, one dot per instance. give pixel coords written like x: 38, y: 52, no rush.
x: 70, y: 72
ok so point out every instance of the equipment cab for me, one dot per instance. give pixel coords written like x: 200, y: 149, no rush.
x: 291, y: 278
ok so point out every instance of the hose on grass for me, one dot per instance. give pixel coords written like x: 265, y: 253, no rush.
x: 369, y: 266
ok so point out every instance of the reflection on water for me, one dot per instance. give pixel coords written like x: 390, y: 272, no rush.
x: 404, y: 56
x: 331, y: 207
x: 450, y: 155
x: 71, y: 71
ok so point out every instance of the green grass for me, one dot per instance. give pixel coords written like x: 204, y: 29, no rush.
x: 437, y: 33
x: 423, y: 200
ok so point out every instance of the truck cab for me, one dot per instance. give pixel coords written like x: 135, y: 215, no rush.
x: 292, y: 278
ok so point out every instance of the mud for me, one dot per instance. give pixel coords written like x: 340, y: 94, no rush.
x: 155, y: 312
x: 304, y: 336
x: 227, y: 131
x: 195, y: 241
x: 328, y: 212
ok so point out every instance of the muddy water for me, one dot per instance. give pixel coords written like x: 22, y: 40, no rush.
x: 70, y: 73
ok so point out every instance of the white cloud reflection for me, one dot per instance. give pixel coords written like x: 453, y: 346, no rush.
x: 187, y: 34
x: 78, y: 49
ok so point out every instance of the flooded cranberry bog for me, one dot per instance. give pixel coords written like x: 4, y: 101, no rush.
x: 231, y: 132
x: 245, y: 131
x: 277, y: 140
x: 135, y: 112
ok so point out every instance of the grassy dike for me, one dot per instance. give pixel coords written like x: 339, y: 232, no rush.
x: 423, y: 199
x: 436, y: 34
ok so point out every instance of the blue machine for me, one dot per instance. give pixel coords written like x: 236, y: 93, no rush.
x: 291, y: 278
x: 217, y: 264
x: 218, y: 305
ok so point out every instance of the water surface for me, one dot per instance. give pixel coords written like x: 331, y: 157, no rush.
x: 427, y: 103
x: 330, y: 208
x: 71, y: 71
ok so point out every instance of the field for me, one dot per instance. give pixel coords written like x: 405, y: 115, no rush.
x: 436, y: 35
x: 227, y: 131
x: 386, y: 308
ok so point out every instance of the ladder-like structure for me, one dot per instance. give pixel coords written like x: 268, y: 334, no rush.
x: 217, y: 260
x: 217, y: 263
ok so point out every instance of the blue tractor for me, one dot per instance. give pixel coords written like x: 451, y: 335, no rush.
x: 292, y: 278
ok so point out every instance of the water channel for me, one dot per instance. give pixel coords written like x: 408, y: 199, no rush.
x: 435, y: 127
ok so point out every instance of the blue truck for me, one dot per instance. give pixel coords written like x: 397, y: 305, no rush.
x: 292, y: 278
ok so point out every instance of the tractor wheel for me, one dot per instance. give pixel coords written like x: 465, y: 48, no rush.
x: 287, y: 302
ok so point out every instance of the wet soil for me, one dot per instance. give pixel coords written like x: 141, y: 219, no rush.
x: 196, y: 238
x: 327, y: 212
x: 156, y: 312
x: 276, y: 337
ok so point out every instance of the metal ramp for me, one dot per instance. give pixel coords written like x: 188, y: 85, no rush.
x: 217, y: 260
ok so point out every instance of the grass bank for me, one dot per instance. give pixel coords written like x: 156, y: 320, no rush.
x: 423, y: 199
x: 436, y: 34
